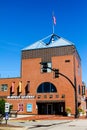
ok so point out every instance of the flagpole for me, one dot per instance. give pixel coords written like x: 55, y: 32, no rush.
x: 53, y: 28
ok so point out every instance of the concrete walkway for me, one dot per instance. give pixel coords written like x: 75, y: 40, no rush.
x: 23, y: 122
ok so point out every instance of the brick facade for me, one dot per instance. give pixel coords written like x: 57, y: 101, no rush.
x: 29, y: 100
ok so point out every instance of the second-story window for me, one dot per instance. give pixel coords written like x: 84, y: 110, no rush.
x: 4, y: 87
x: 79, y: 91
x: 83, y: 90
x: 45, y: 67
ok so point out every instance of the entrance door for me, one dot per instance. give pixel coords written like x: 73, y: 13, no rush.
x: 49, y: 109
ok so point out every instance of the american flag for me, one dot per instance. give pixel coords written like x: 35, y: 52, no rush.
x: 54, y: 20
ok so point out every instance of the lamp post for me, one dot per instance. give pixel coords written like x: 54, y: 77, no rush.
x: 57, y: 73
x: 75, y: 90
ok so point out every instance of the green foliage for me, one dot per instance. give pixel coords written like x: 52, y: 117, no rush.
x: 10, y: 108
x: 68, y: 110
x: 2, y: 106
x: 80, y: 110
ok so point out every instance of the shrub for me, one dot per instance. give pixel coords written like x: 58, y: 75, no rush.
x: 68, y: 110
x: 2, y: 106
x: 80, y: 110
x: 10, y: 107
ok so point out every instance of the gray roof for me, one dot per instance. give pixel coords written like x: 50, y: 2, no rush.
x: 48, y: 42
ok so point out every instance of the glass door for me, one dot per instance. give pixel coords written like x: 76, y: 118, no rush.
x: 49, y: 109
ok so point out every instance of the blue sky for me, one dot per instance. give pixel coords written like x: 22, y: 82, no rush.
x: 22, y: 22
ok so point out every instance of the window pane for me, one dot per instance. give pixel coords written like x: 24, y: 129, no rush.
x: 50, y: 66
x: 46, y: 87
x: 53, y: 89
x: 4, y: 87
x: 44, y: 66
x: 83, y: 90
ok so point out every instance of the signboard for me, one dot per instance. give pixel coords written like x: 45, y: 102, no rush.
x: 29, y: 107
x: 21, y: 97
x: 7, y: 107
x: 20, y: 107
x: 6, y: 116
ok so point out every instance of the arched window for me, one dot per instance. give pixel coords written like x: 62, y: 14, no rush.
x: 46, y: 87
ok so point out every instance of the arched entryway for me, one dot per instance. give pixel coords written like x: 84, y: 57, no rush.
x: 49, y: 106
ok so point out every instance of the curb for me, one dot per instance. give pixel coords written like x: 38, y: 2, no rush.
x: 13, y: 128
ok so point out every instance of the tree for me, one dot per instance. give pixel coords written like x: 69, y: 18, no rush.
x: 2, y: 106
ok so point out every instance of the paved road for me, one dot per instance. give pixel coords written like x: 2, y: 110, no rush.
x: 76, y: 124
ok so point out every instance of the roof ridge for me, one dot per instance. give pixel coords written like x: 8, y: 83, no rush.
x: 68, y: 41
x: 54, y: 41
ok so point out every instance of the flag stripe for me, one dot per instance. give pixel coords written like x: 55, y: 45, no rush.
x: 54, y: 20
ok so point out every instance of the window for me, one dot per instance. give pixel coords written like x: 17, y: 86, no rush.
x: 46, y: 87
x: 83, y: 90
x: 67, y: 61
x: 4, y: 87
x: 79, y: 89
x: 45, y: 67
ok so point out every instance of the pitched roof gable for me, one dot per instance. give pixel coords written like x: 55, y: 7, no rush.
x: 50, y: 41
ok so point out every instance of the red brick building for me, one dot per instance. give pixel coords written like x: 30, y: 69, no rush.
x: 38, y: 90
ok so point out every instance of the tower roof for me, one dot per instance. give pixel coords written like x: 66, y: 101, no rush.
x: 48, y: 42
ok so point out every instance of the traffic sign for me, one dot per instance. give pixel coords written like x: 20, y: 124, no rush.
x: 6, y: 116
x: 7, y: 107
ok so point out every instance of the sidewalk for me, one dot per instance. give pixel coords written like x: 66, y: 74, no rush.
x: 45, y: 117
x: 29, y: 120
x: 42, y: 117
